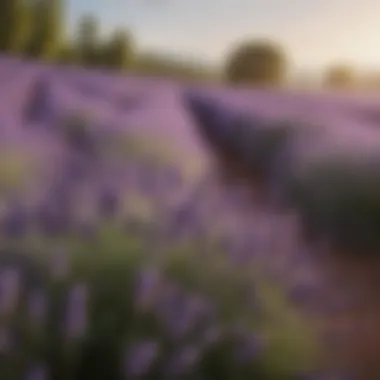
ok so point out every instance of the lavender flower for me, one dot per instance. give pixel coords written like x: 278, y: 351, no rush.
x: 15, y: 221
x: 173, y: 177
x: 140, y: 358
x: 196, y: 310
x: 108, y: 202
x: 180, y: 313
x: 147, y: 181
x: 53, y: 219
x: 147, y: 289
x: 39, y: 107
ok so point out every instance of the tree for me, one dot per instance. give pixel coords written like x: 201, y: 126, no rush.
x: 88, y: 41
x: 68, y: 54
x: 119, y: 52
x: 14, y: 26
x: 165, y: 66
x: 340, y: 76
x: 47, y: 29
x: 258, y: 62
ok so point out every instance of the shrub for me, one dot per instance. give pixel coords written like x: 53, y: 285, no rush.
x: 340, y: 76
x: 119, y: 51
x: 256, y: 63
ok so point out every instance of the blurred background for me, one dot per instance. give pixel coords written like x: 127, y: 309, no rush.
x: 310, y: 45
x: 122, y: 256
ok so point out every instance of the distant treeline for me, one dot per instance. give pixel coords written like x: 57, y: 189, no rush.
x: 37, y: 29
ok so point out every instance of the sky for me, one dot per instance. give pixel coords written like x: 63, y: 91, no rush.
x: 314, y: 33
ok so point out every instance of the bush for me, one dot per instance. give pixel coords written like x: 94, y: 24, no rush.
x: 68, y: 55
x: 340, y: 76
x: 119, y: 51
x: 87, y: 41
x: 256, y: 63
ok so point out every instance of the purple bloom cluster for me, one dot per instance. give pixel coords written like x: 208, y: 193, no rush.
x: 95, y: 284
x: 330, y: 175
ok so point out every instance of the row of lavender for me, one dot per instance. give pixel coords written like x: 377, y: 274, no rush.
x: 119, y: 262
x: 329, y: 172
x: 328, y: 177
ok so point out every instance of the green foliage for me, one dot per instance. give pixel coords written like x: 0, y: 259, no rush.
x: 36, y: 29
x: 119, y: 51
x: 165, y: 66
x: 68, y: 55
x: 87, y: 40
x: 46, y: 36
x: 257, y: 63
x: 107, y: 267
x: 14, y: 26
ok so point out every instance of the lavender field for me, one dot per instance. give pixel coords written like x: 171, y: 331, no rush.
x: 123, y: 257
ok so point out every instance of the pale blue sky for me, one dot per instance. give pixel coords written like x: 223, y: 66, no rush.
x: 314, y: 32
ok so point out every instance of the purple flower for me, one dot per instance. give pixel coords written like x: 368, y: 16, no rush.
x: 147, y: 181
x: 107, y: 202
x: 180, y: 313
x: 15, y: 221
x: 140, y: 358
x: 184, y: 220
x: 76, y: 313
x: 171, y: 300
x: 75, y: 170
x: 39, y: 107
x: 53, y: 219
x: 10, y: 287
x: 195, y: 311
x: 173, y: 177
x: 147, y: 288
